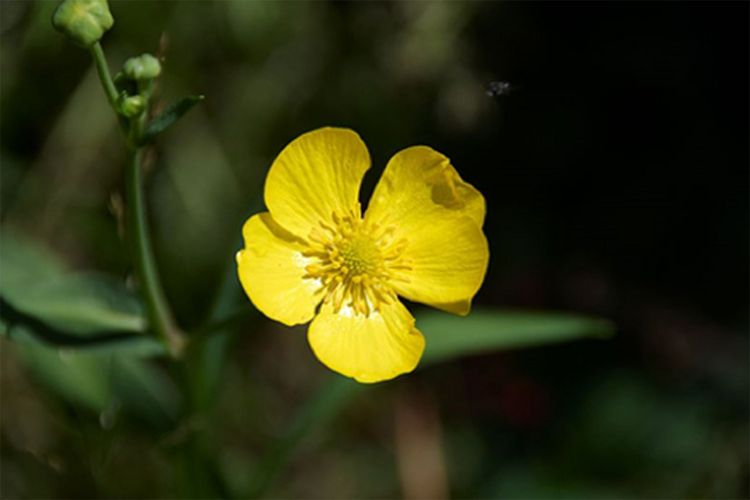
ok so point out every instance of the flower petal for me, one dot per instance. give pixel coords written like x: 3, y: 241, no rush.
x: 439, y: 216
x: 421, y: 180
x: 447, y: 260
x: 271, y: 269
x: 317, y: 174
x: 371, y: 348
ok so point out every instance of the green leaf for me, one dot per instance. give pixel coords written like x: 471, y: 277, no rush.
x: 36, y: 284
x: 25, y: 262
x: 169, y: 116
x: 86, y: 304
x: 14, y: 324
x: 449, y: 336
x: 101, y: 380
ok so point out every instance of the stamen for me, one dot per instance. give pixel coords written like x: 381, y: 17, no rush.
x: 355, y: 261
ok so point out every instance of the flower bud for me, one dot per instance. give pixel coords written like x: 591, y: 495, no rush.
x: 84, y: 21
x: 144, y: 67
x: 132, y: 106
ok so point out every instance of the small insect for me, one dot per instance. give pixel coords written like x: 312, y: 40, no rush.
x: 500, y: 88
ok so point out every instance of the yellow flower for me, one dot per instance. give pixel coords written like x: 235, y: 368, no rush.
x: 313, y: 256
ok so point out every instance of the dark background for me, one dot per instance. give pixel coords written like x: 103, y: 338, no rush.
x: 616, y: 178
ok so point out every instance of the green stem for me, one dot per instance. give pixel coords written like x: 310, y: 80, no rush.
x: 160, y: 317
x: 103, y: 69
x: 157, y: 308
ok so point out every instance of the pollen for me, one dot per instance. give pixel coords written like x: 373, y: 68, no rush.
x: 355, y: 262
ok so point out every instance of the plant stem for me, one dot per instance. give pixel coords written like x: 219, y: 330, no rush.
x: 159, y: 315
x: 103, y: 69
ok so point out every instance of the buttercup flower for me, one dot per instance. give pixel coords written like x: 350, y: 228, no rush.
x: 314, y: 256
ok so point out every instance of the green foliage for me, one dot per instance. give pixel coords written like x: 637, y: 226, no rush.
x: 102, y: 381
x: 486, y: 330
x: 82, y: 335
x: 110, y: 375
x: 169, y: 116
x: 44, y: 305
x: 86, y: 304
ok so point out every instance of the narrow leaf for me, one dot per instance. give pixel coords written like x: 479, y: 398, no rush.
x: 13, y: 321
x: 169, y: 116
x: 449, y: 336
x: 85, y: 304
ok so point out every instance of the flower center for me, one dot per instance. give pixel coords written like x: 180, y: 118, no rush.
x: 359, y: 255
x: 356, y: 262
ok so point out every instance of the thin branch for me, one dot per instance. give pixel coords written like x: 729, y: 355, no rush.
x: 103, y: 69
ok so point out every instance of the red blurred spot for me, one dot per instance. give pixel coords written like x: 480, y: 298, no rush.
x: 524, y: 402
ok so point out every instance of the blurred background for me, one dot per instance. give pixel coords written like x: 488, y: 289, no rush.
x: 615, y: 167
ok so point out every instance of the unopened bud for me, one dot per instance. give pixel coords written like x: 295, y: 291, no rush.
x: 84, y: 21
x: 143, y: 67
x: 132, y: 106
